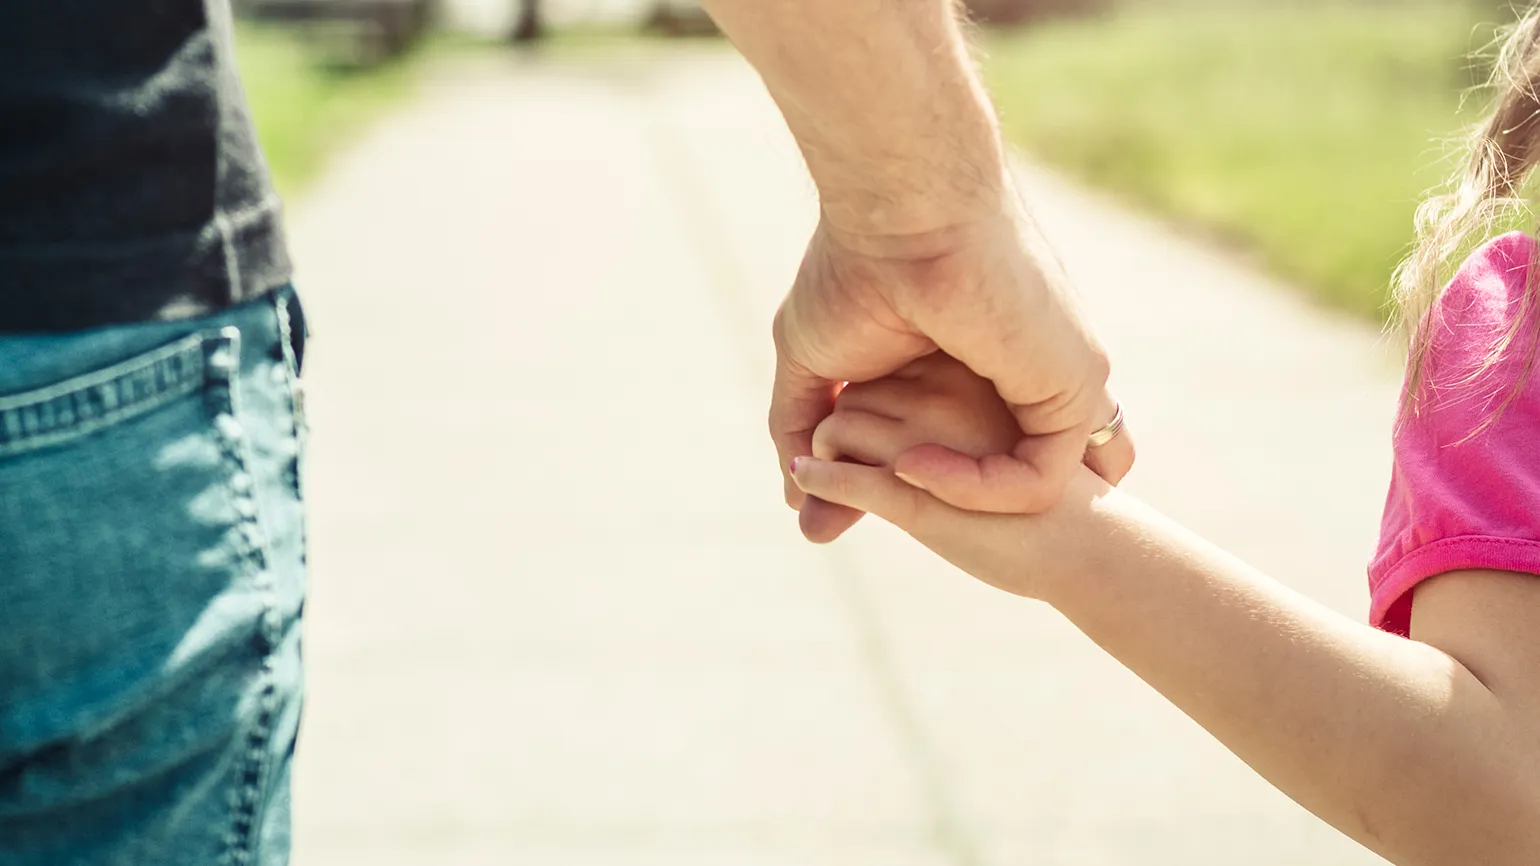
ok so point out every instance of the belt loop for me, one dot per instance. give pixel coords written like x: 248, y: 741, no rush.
x: 291, y: 328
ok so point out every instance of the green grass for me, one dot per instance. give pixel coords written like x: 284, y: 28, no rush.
x: 304, y: 108
x: 1303, y: 135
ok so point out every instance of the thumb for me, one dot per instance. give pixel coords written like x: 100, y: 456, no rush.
x: 1030, y: 480
x: 868, y: 488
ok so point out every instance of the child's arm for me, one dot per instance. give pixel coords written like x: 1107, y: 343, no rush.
x: 1428, y: 753
x: 1396, y: 743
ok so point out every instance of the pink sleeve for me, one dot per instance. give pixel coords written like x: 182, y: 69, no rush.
x: 1464, y: 496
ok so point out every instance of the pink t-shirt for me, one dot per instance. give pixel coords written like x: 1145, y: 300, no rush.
x: 1463, y: 496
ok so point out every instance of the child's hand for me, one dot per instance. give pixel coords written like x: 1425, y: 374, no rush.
x: 935, y: 400
x: 938, y: 400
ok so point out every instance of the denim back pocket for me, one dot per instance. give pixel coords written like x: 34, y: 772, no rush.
x: 132, y: 561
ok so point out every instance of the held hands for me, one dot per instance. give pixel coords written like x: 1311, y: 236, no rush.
x: 985, y: 292
x: 937, y: 401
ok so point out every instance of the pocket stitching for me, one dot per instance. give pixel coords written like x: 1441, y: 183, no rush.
x: 190, y: 349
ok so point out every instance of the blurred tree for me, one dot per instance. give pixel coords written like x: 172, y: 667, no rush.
x: 529, y: 24
x: 679, y: 18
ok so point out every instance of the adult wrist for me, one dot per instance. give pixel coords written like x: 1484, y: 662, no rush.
x: 918, y: 226
x: 898, y: 197
x: 885, y: 103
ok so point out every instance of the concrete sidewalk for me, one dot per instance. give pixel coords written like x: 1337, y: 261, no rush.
x: 540, y: 633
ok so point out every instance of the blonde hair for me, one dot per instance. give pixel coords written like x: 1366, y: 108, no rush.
x: 1500, y: 156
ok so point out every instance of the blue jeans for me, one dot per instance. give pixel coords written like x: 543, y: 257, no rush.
x: 152, y: 571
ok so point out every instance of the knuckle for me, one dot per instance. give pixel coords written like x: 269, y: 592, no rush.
x: 778, y: 324
x: 842, y: 485
x: 854, y: 486
x: 1098, y: 366
x: 827, y: 438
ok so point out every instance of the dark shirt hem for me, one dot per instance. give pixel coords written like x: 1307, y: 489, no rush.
x: 235, y: 257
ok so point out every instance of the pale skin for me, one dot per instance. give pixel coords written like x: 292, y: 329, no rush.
x: 1426, y: 751
x: 921, y: 242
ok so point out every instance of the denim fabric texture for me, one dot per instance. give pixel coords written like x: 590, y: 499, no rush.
x: 152, y: 579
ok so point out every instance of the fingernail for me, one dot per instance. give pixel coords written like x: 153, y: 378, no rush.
x: 909, y: 481
x: 795, y: 462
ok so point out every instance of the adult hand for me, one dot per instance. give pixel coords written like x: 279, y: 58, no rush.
x: 986, y: 292
x: 922, y: 244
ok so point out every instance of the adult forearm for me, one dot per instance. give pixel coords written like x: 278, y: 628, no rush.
x: 883, y: 99
x: 1391, y: 741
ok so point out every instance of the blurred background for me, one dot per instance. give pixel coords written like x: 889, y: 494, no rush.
x: 559, y: 613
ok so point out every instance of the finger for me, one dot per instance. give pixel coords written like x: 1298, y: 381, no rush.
x: 872, y: 397
x: 860, y: 436
x: 1028, y: 481
x: 822, y: 522
x: 869, y: 489
x: 875, y: 440
x: 799, y: 400
x: 1113, y: 460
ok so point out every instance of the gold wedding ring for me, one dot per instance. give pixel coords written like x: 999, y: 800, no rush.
x: 1110, y: 432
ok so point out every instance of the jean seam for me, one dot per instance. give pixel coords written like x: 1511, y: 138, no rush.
x: 245, y: 826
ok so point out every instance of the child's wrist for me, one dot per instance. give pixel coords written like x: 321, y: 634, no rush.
x: 1076, y: 541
